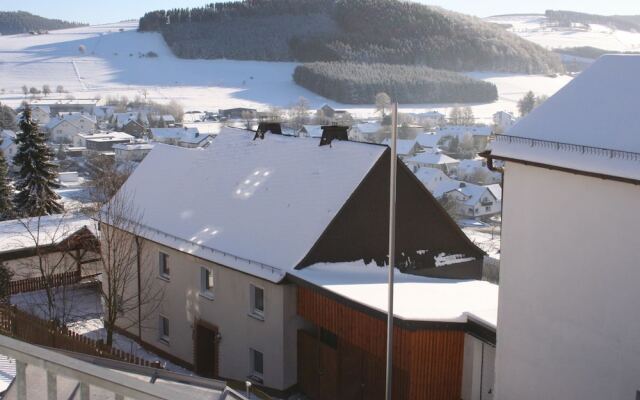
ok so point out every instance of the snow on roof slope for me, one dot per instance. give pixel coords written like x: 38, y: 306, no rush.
x: 50, y: 229
x: 599, y: 108
x: 432, y: 158
x: 404, y: 146
x: 416, y: 298
x: 428, y: 139
x: 313, y: 131
x: 240, y: 196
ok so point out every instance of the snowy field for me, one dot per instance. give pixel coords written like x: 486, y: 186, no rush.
x: 111, y: 65
x: 83, y: 311
x: 535, y: 29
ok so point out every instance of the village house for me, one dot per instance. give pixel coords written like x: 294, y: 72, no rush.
x: 405, y: 148
x: 474, y: 201
x: 428, y: 141
x: 310, y: 131
x: 41, y: 115
x: 102, y: 141
x: 479, y: 133
x: 436, y: 181
x: 332, y: 115
x: 242, y: 304
x: 504, y: 120
x: 58, y: 106
x: 428, y: 159
x: 61, y: 244
x: 433, y: 118
x: 8, y: 145
x: 63, y: 128
x: 476, y: 171
x: 238, y: 113
x: 569, y: 259
x: 120, y: 119
x: 184, y: 137
x: 369, y: 132
x: 131, y: 152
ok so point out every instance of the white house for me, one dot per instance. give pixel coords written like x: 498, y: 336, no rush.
x: 474, y: 201
x: 312, y: 131
x: 8, y: 145
x: 429, y: 159
x: 405, y: 147
x: 180, y: 136
x: 504, y: 120
x: 41, y: 114
x: 121, y: 119
x: 480, y: 133
x: 428, y: 141
x: 66, y: 126
x: 568, y: 307
x: 135, y: 152
x: 436, y: 181
x: 101, y: 141
x: 365, y: 131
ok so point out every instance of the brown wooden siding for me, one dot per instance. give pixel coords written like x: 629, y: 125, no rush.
x: 427, y: 362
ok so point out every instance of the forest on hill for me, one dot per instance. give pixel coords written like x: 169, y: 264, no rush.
x: 13, y: 22
x: 371, y: 31
x: 354, y: 83
x: 622, y: 22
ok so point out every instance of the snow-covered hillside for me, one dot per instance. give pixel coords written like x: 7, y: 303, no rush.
x: 537, y: 29
x: 111, y: 63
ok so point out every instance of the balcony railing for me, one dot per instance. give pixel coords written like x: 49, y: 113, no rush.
x: 87, y: 375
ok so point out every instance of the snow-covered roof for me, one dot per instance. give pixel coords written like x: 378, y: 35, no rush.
x: 468, y: 166
x: 496, y: 190
x: 313, y: 131
x: 404, y: 146
x: 461, y: 130
x: 368, y: 127
x: 54, y: 102
x: 598, y: 109
x: 43, y: 231
x: 416, y: 298
x: 106, y: 136
x: 472, y: 193
x: 124, y: 118
x: 181, y: 134
x: 7, y: 139
x: 77, y: 115
x: 428, y: 139
x: 133, y: 146
x: 238, y: 196
x: 425, y: 174
x: 432, y: 158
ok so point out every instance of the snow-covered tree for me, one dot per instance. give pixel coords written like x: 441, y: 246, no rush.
x: 36, y: 176
x: 6, y: 208
x: 383, y: 101
x: 527, y: 103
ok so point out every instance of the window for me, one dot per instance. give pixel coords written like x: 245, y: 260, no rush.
x: 163, y: 264
x: 207, y: 282
x: 257, y: 302
x: 487, y: 208
x: 257, y: 363
x: 164, y: 329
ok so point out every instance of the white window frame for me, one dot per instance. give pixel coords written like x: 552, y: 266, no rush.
x: 253, y: 311
x: 161, y: 335
x: 164, y: 270
x: 208, y: 293
x: 257, y: 375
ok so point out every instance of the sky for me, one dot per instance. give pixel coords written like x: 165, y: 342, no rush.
x: 104, y: 11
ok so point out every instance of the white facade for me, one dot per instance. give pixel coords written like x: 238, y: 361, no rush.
x: 227, y: 307
x: 8, y: 145
x: 568, y: 307
x: 478, y: 370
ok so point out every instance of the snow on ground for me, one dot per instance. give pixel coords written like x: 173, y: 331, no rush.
x: 83, y: 311
x: 111, y: 65
x: 485, y: 238
x: 535, y: 29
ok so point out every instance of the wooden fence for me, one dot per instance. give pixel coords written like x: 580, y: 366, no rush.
x: 40, y: 282
x: 24, y: 326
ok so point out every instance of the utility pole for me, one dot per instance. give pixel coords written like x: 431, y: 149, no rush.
x: 392, y: 248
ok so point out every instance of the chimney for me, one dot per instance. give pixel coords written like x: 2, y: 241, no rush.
x: 264, y: 127
x: 333, y: 132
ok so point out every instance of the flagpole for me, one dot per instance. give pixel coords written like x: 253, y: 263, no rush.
x: 392, y: 248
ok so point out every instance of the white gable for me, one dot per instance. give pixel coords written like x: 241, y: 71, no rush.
x: 241, y: 197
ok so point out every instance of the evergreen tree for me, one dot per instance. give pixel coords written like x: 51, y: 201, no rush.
x: 527, y: 103
x: 6, y: 208
x: 35, y: 183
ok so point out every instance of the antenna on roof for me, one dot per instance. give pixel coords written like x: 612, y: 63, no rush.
x: 392, y: 247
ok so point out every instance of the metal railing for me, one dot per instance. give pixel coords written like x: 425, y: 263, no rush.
x: 578, y: 148
x: 88, y: 376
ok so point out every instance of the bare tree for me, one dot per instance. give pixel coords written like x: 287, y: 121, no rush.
x: 25, y: 90
x: 59, y: 89
x: 299, y: 112
x: 129, y: 293
x: 53, y: 258
x: 383, y: 101
x: 46, y: 90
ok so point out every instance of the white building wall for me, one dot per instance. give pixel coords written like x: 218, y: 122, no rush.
x: 569, y: 287
x: 228, y: 310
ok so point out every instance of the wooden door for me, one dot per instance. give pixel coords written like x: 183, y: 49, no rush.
x: 206, y: 350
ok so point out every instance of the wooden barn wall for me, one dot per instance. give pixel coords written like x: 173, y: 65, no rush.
x: 428, y: 362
